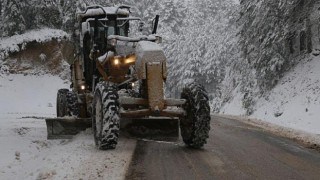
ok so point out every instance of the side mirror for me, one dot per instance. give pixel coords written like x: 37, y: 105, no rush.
x: 158, y: 40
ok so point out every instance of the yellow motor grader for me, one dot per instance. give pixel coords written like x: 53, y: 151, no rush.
x: 117, y: 79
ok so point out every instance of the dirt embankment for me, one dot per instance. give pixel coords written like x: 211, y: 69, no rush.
x: 41, y: 57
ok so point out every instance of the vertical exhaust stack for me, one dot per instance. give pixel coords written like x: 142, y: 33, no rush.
x: 155, y: 24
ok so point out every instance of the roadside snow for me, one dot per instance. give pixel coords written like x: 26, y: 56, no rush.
x: 29, y: 95
x: 235, y: 107
x: 26, y: 153
x: 307, y: 139
x: 293, y: 103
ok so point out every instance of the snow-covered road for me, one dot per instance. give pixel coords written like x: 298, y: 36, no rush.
x: 26, y: 153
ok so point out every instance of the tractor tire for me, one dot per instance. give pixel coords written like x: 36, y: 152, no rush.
x: 61, y: 103
x: 195, y: 126
x: 105, y: 116
x: 72, y: 104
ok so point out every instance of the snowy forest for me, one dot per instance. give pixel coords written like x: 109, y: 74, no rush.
x: 233, y: 48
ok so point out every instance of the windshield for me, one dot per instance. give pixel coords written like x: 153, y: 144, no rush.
x: 107, y: 27
x: 123, y: 28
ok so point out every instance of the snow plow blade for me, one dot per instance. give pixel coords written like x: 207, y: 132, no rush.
x: 66, y: 128
x: 158, y: 129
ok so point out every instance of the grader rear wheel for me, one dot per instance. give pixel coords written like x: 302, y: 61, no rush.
x: 72, y: 104
x: 62, y: 103
x: 195, y: 125
x: 67, y: 103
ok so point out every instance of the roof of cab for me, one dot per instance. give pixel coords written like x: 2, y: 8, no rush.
x: 98, y: 11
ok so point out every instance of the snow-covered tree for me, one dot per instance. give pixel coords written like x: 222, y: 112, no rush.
x: 14, y: 22
x: 1, y: 5
x: 205, y: 44
x: 66, y: 9
x: 1, y: 16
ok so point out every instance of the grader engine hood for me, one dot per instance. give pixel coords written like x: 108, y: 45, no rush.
x: 149, y: 53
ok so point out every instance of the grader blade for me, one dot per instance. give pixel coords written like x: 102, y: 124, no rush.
x: 66, y: 128
x: 159, y: 129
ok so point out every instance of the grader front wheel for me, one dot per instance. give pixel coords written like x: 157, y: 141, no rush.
x: 105, y: 116
x: 72, y: 104
x: 195, y: 125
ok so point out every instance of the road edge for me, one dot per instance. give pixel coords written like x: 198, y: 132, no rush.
x: 309, y: 140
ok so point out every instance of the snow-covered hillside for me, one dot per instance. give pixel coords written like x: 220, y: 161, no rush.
x: 276, y: 77
x: 293, y: 103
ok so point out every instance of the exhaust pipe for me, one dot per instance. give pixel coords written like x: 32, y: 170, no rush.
x: 155, y: 24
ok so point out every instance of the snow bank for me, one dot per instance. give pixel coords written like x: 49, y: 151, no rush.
x: 309, y: 140
x: 29, y: 95
x: 293, y: 103
x: 235, y: 107
x: 26, y: 153
x: 18, y: 42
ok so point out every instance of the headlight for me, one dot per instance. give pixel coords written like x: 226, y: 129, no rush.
x: 82, y: 87
x: 116, y: 61
x: 121, y: 60
x: 130, y: 59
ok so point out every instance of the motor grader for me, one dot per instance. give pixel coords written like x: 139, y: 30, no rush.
x: 119, y: 80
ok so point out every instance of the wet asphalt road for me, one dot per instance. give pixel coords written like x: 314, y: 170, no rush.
x: 234, y: 151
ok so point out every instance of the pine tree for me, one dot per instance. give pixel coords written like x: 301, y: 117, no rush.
x: 67, y: 9
x: 201, y: 48
x: 29, y: 13
x: 1, y: 8
x: 14, y: 22
x: 1, y: 17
